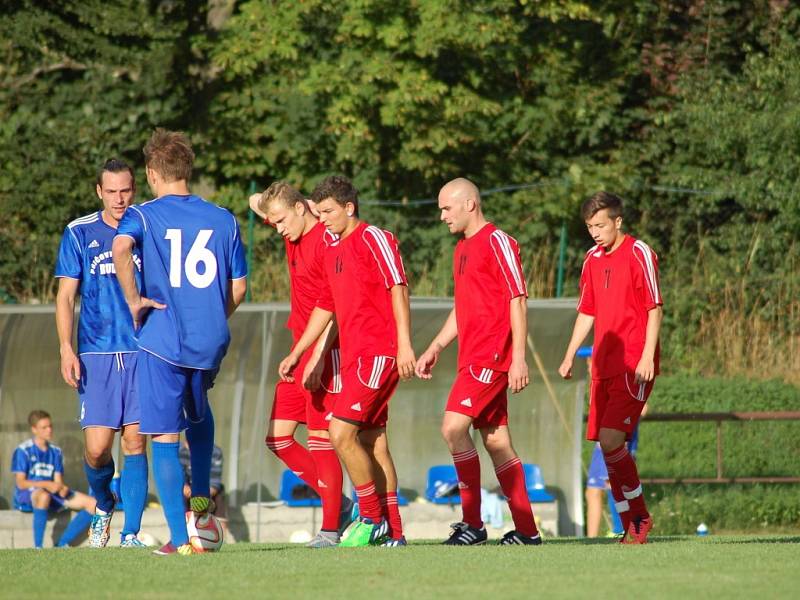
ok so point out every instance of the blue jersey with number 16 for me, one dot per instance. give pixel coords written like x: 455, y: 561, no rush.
x: 190, y: 250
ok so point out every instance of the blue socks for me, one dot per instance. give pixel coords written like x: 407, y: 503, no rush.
x: 100, y: 482
x: 133, y: 489
x: 39, y: 524
x: 201, y: 446
x: 168, y: 474
x: 79, y: 524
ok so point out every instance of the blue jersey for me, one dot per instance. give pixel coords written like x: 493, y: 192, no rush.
x: 191, y: 249
x: 105, y: 324
x: 37, y: 464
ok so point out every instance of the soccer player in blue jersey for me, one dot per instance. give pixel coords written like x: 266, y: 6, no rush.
x: 104, y: 370
x: 38, y: 468
x: 194, y: 277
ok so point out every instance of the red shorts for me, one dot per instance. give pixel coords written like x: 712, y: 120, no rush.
x: 482, y: 394
x: 293, y: 402
x: 616, y: 403
x: 369, y: 383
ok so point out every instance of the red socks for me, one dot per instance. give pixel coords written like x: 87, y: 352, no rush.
x: 512, y: 481
x: 625, y: 485
x: 297, y: 458
x: 368, y: 504
x: 329, y: 471
x: 468, y: 468
x: 391, y: 512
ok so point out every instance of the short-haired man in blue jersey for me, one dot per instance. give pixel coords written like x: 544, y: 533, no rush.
x: 194, y: 277
x: 39, y: 488
x: 104, y: 370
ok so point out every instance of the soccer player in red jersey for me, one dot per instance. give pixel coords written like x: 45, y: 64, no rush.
x: 620, y: 298
x: 366, y: 288
x: 308, y: 399
x: 490, y: 321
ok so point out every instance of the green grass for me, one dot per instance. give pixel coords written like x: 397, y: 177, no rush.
x: 669, y: 567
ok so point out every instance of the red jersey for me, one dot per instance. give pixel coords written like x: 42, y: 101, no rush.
x: 488, y: 274
x: 305, y: 259
x: 360, y: 271
x: 618, y: 290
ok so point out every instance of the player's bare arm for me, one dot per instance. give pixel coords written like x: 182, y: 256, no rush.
x: 62, y: 489
x: 237, y: 288
x: 646, y: 369
x: 444, y: 338
x: 317, y: 323
x: 254, y: 200
x: 312, y: 375
x: 583, y: 325
x: 23, y: 483
x: 65, y: 316
x: 123, y: 265
x: 518, y: 377
x: 402, y: 317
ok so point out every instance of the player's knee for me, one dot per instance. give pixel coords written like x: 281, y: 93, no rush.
x: 40, y: 498
x: 97, y: 456
x: 342, y: 438
x: 610, y: 440
x: 133, y: 444
x: 498, y: 445
x: 453, y: 432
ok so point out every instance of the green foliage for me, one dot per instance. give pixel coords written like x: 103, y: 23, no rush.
x: 678, y: 509
x: 749, y: 448
x: 645, y: 98
x: 74, y: 92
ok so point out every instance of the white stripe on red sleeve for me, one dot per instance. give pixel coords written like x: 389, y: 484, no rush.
x: 508, y: 259
x: 649, y: 264
x: 387, y: 257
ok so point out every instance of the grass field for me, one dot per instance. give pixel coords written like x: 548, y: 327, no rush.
x: 670, y: 567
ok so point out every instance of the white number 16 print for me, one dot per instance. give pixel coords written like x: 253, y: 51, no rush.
x: 198, y: 253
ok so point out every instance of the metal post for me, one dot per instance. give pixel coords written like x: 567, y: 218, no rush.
x: 719, y: 449
x: 562, y: 259
x: 251, y: 221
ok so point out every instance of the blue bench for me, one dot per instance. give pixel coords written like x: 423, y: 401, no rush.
x: 442, y: 485
x: 290, y: 485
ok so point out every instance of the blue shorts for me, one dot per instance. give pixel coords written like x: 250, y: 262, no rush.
x: 170, y: 395
x: 598, y: 475
x: 107, y: 391
x: 22, y: 500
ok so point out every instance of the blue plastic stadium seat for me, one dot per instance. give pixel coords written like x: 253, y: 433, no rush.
x: 442, y: 478
x: 534, y: 483
x: 289, y: 482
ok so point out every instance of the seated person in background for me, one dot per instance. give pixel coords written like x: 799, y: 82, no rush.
x: 38, y: 468
x: 219, y: 509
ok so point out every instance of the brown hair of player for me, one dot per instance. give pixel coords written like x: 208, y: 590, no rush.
x: 600, y: 201
x: 339, y: 189
x: 37, y: 415
x: 282, y: 192
x: 170, y: 154
x: 113, y: 165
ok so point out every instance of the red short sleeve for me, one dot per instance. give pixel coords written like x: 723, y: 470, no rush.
x: 644, y: 273
x: 506, y: 251
x: 386, y: 253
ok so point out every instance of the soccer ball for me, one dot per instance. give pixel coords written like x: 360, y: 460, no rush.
x: 205, y: 532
